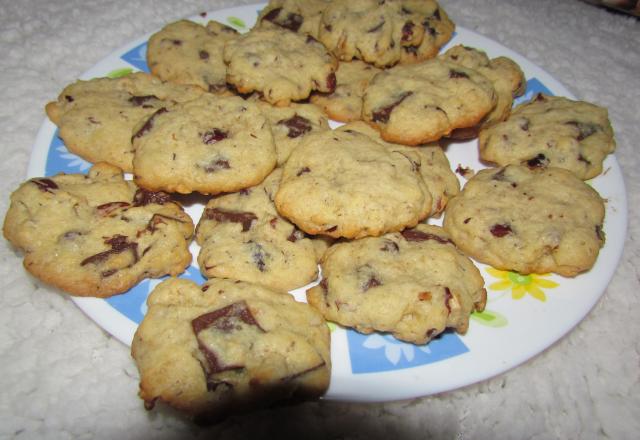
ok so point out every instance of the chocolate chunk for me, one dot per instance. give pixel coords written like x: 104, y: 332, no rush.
x: 72, y: 235
x: 159, y: 219
x: 328, y: 27
x: 457, y: 74
x: 119, y: 243
x: 217, y: 165
x: 431, y: 332
x: 107, y: 208
x: 540, y: 161
x: 372, y: 282
x: 259, y: 255
x: 203, y: 54
x: 140, y: 101
x: 499, y: 230
x: 69, y: 98
x: 424, y: 296
x: 176, y: 42
x: 407, y: 31
x: 415, y: 166
x: 540, y: 97
x: 223, y: 216
x: 524, y: 124
x: 292, y: 21
x: 214, y: 135
x: 146, y: 128
x: 581, y: 158
x: 295, y: 235
x: 585, y: 129
x: 331, y: 82
x: 303, y: 170
x: 221, y: 319
x: 383, y: 114
x: 297, y: 125
x: 45, y: 185
x: 600, y: 233
x: 416, y: 235
x: 144, y: 197
x: 376, y: 28
x: 390, y: 246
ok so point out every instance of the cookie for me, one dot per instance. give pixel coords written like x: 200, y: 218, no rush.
x: 96, y: 117
x: 301, y: 16
x: 210, y: 145
x: 185, y: 52
x: 528, y: 220
x: 97, y: 234
x: 229, y: 346
x: 506, y: 76
x: 290, y: 125
x: 552, y: 131
x: 413, y: 284
x: 385, y: 33
x: 283, y: 66
x: 433, y: 165
x: 343, y: 183
x: 419, y: 103
x: 242, y: 237
x: 345, y: 103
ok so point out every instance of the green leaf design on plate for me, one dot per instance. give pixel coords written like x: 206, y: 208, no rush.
x: 236, y: 22
x: 489, y: 318
x: 332, y: 326
x: 119, y: 73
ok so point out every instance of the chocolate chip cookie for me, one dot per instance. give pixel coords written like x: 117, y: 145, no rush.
x: 301, y: 16
x: 385, y: 33
x: 345, y: 103
x: 96, y: 117
x: 282, y: 66
x: 343, y: 183
x: 413, y: 284
x: 528, y: 220
x: 189, y: 53
x: 242, y: 237
x: 419, y: 103
x: 210, y: 145
x: 552, y: 131
x: 97, y: 234
x: 506, y: 76
x: 229, y: 346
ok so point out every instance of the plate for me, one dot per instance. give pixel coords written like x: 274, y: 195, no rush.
x: 524, y: 314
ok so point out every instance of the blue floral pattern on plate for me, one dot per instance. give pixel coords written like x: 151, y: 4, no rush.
x: 137, y: 57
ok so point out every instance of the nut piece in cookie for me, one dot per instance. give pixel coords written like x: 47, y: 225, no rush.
x: 212, y: 144
x: 505, y: 75
x: 528, y: 220
x: 185, y: 52
x: 551, y: 131
x: 96, y: 117
x: 433, y: 165
x: 345, y: 103
x: 385, y: 33
x: 413, y: 284
x: 282, y: 66
x: 343, y: 183
x: 229, y: 346
x: 301, y: 16
x: 97, y: 234
x: 419, y: 103
x: 243, y: 237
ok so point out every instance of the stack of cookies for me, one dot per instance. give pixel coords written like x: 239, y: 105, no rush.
x: 244, y: 119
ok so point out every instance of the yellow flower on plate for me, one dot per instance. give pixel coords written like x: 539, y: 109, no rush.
x: 521, y: 284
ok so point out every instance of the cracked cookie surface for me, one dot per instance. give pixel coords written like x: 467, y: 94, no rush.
x: 96, y: 118
x: 343, y: 183
x: 229, y: 346
x: 282, y: 66
x: 528, y: 220
x: 97, y: 234
x: 243, y: 237
x: 185, y: 52
x: 210, y: 145
x: 552, y: 131
x: 385, y: 33
x: 419, y: 103
x: 413, y: 284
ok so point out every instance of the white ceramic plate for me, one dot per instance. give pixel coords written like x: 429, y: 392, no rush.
x: 524, y: 315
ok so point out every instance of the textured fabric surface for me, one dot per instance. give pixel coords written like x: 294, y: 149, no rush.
x: 63, y: 377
